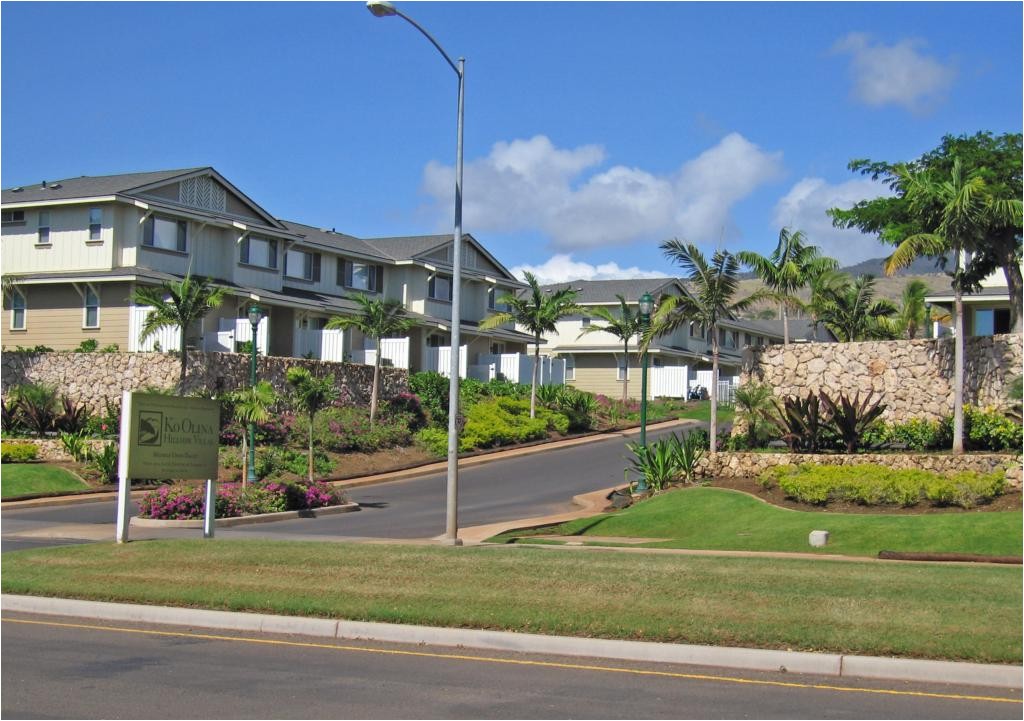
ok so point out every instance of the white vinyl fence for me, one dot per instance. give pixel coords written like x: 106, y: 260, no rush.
x: 166, y: 339
x: 726, y: 385
x: 394, y: 352
x: 668, y: 381
x: 440, y: 360
x: 326, y: 345
x: 518, y: 368
x: 235, y: 330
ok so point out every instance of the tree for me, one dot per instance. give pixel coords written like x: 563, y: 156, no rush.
x: 849, y: 308
x: 311, y: 394
x: 537, y: 311
x: 713, y: 286
x: 624, y: 327
x: 177, y: 304
x: 956, y: 212
x: 379, y: 318
x: 911, y: 317
x: 251, y: 406
x: 790, y: 267
x: 753, y: 403
x: 996, y: 161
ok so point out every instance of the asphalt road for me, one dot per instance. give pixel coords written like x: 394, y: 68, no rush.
x: 71, y: 668
x: 523, y: 487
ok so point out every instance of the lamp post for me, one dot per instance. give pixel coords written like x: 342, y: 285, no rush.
x: 646, y: 308
x: 255, y: 314
x: 383, y: 8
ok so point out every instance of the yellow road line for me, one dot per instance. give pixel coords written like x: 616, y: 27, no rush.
x: 519, y: 662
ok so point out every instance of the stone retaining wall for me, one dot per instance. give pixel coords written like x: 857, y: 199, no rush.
x: 914, y: 378
x: 97, y: 378
x: 752, y: 465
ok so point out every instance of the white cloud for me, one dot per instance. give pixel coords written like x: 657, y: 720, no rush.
x: 803, y: 208
x: 562, y: 268
x: 895, y: 74
x: 533, y: 185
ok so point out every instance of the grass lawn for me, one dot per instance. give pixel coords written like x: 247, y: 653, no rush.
x: 722, y: 519
x: 701, y: 411
x: 20, y: 479
x: 913, y: 610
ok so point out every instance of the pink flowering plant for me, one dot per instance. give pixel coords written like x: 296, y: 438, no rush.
x: 185, y: 501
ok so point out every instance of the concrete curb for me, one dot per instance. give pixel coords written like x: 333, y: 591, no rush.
x: 723, y: 657
x: 139, y: 522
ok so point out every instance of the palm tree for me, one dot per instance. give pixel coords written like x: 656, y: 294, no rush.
x: 311, y: 394
x: 252, y: 405
x: 177, y: 304
x: 790, y: 267
x: 958, y: 209
x: 379, y: 318
x: 624, y: 326
x: 849, y: 308
x: 713, y: 286
x: 910, y: 318
x: 537, y: 311
x: 753, y: 402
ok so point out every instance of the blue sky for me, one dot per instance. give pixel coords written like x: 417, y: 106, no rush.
x: 594, y: 131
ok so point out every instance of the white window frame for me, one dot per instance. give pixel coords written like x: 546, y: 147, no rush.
x: 18, y: 307
x: 246, y: 249
x: 86, y: 306
x: 307, y: 264
x: 620, y: 365
x: 95, y: 224
x: 570, y: 367
x: 432, y: 287
x: 43, y: 228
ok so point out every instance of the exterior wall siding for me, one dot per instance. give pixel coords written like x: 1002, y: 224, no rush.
x: 69, y: 245
x: 54, y: 317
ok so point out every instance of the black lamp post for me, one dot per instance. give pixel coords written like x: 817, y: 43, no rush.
x: 646, y: 308
x: 255, y: 314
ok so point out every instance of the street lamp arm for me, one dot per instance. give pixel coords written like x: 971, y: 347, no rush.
x: 428, y: 36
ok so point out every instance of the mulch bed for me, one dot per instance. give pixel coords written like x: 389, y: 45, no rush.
x: 1009, y: 501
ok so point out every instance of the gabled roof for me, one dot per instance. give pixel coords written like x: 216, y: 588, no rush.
x: 605, y: 291
x: 334, y: 240
x: 416, y: 247
x: 86, y: 186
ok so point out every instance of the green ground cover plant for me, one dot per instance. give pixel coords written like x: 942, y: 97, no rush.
x: 18, y: 452
x: 722, y: 519
x: 874, y: 485
x: 911, y: 610
x: 29, y: 478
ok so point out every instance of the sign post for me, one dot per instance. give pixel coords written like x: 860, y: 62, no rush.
x: 166, y: 437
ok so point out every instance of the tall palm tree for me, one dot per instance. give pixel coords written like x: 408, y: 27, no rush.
x: 624, y: 326
x: 177, y: 304
x: 378, y: 318
x: 911, y: 317
x: 790, y: 267
x: 537, y: 311
x: 958, y: 209
x: 713, y: 286
x: 849, y: 308
x: 251, y: 405
x: 311, y: 394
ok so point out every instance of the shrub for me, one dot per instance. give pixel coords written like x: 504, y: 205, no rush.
x: 800, y: 422
x: 275, y: 461
x: 850, y: 418
x: 505, y: 421
x: 434, y: 440
x: 75, y: 445
x: 876, y: 485
x: 105, y: 463
x: 73, y: 417
x: 432, y: 389
x: 408, y: 404
x: 89, y: 345
x: 38, y: 403
x: 10, y: 408
x: 990, y: 430
x: 343, y: 429
x: 183, y: 501
x: 578, y: 406
x: 655, y: 463
x: 18, y: 452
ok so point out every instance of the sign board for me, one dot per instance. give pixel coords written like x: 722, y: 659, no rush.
x: 172, y: 437
x: 166, y: 437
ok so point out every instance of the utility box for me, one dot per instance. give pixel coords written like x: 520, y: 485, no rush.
x: 818, y: 538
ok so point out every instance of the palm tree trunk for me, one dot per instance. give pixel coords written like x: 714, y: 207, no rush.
x: 713, y: 435
x: 536, y: 377
x: 1014, y: 282
x: 958, y: 370
x: 785, y: 325
x: 311, y: 447
x: 245, y: 457
x: 184, y: 362
x: 625, y: 378
x: 376, y: 385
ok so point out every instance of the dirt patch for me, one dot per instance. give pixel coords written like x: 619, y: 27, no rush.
x: 1009, y: 501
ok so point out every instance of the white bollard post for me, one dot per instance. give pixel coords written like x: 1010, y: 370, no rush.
x: 210, y: 510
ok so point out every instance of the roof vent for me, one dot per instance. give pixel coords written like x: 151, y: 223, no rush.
x: 44, y: 184
x: 55, y: 186
x: 17, y: 190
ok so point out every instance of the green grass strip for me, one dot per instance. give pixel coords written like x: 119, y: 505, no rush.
x: 721, y: 519
x: 913, y: 610
x: 22, y: 479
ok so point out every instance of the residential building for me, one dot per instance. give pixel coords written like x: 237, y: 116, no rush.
x: 986, y: 311
x: 73, y: 251
x: 598, y: 361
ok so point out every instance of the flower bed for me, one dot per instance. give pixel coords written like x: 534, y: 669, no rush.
x: 185, y: 501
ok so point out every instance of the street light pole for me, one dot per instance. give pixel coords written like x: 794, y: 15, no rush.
x: 382, y: 8
x: 646, y: 308
x: 255, y: 313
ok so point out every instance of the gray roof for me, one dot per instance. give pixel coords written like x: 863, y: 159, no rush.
x: 334, y: 240
x: 604, y: 291
x: 799, y: 329
x: 408, y: 247
x: 86, y: 186
x: 946, y: 296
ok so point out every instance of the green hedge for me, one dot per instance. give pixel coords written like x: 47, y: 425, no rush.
x: 873, y: 485
x: 18, y: 452
x: 499, y: 422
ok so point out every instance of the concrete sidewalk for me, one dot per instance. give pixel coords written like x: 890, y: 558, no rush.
x: 822, y: 664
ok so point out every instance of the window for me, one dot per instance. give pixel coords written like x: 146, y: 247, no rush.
x: 17, y: 310
x: 163, y: 233
x: 92, y: 309
x: 43, y: 234
x: 492, y: 292
x: 735, y: 339
x: 584, y: 322
x: 440, y: 287
x: 14, y: 217
x: 990, y: 321
x: 300, y: 264
x: 361, y: 276
x: 95, y: 223
x: 721, y: 336
x: 693, y: 329
x: 438, y: 340
x: 570, y: 367
x: 746, y: 339
x: 259, y: 251
x: 497, y: 348
x: 622, y: 372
